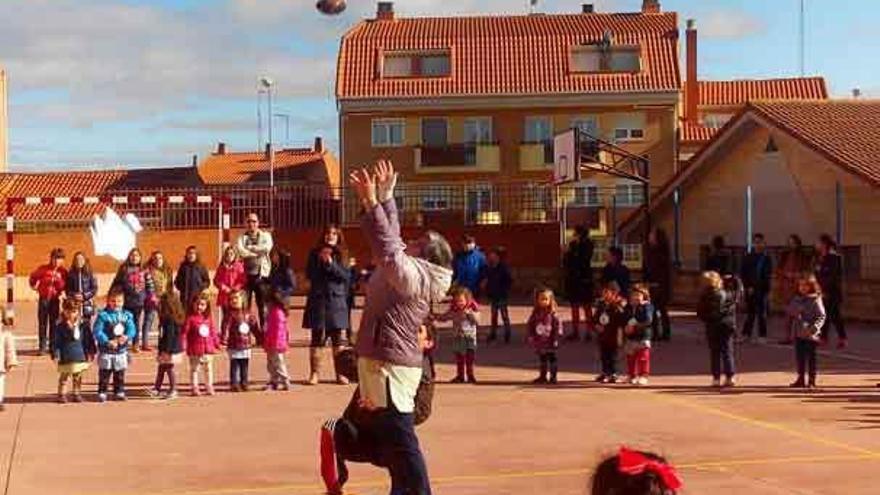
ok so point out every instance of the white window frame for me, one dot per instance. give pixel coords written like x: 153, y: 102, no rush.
x: 585, y: 59
x: 387, y: 142
x: 435, y: 198
x: 632, y: 254
x: 628, y: 130
x: 586, y: 186
x: 537, y: 118
x: 578, y: 121
x: 482, y: 125
x: 634, y: 194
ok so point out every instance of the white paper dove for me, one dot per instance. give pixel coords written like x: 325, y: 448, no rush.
x: 113, y: 235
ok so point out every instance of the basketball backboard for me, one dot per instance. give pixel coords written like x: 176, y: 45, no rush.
x: 566, y: 157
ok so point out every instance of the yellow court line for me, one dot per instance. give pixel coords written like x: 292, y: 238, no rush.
x: 303, y: 488
x: 816, y: 439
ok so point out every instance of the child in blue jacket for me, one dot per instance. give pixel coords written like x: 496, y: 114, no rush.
x: 114, y: 330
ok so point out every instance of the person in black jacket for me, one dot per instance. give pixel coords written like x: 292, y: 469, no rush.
x: 326, y: 312
x: 658, y: 275
x: 82, y: 286
x: 717, y: 309
x: 719, y: 259
x: 282, y: 278
x: 756, y: 274
x: 171, y: 320
x: 577, y: 264
x: 192, y: 276
x: 498, y: 282
x: 829, y: 272
x: 73, y: 348
x: 615, y: 271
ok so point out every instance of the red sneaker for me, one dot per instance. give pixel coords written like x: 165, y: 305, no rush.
x: 329, y: 465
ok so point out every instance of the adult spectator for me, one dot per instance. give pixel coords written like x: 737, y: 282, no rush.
x: 192, y: 277
x: 469, y: 265
x: 326, y: 312
x: 829, y: 272
x: 658, y: 275
x: 398, y: 299
x: 756, y: 274
x: 615, y: 271
x: 254, y: 246
x: 719, y: 259
x: 793, y: 263
x: 577, y: 264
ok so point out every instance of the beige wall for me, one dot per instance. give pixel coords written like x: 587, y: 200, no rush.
x: 793, y: 193
x: 4, y: 123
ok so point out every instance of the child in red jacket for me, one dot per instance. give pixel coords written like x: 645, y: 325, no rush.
x: 238, y: 334
x: 229, y: 279
x: 49, y: 281
x: 200, y: 341
x: 545, y: 330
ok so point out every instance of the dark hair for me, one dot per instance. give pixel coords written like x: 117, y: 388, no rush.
x: 827, y: 241
x: 467, y: 239
x: 86, y: 268
x: 499, y: 251
x: 796, y: 240
x: 582, y: 231
x: 284, y: 256
x: 57, y: 254
x: 609, y: 480
x: 115, y: 291
x: 131, y: 252
x: 617, y: 252
x: 718, y: 242
x: 171, y: 308
x: 436, y: 250
x: 276, y: 298
x: 612, y: 285
x: 758, y: 237
x: 70, y: 306
x: 198, y: 260
x: 203, y: 296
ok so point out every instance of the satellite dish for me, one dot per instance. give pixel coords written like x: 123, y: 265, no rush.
x: 331, y: 7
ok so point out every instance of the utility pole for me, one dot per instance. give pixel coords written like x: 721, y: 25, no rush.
x: 803, y: 39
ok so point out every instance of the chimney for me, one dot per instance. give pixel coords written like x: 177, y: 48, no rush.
x: 650, y: 6
x: 691, y: 86
x: 195, y: 161
x: 319, y: 145
x: 587, y: 8
x: 385, y: 11
x: 221, y: 148
x: 856, y: 93
x: 268, y: 150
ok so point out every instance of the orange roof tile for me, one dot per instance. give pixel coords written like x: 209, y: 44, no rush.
x: 508, y: 55
x: 696, y: 132
x: 740, y: 92
x: 291, y: 165
x: 60, y: 184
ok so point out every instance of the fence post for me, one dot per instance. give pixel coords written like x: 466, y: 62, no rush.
x: 748, y: 219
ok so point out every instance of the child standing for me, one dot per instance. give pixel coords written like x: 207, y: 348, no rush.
x: 81, y: 286
x: 200, y: 341
x: 163, y: 279
x: 73, y: 349
x: 138, y: 288
x: 49, y: 281
x: 192, y: 276
x: 464, y: 315
x: 498, y: 283
x: 807, y: 315
x: 171, y: 320
x: 610, y: 320
x: 640, y: 319
x: 545, y: 330
x: 275, y: 342
x: 237, y: 334
x: 8, y: 356
x: 114, y: 329
x: 229, y: 279
x: 717, y: 310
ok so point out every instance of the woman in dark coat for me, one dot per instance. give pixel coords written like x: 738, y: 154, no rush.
x: 658, y: 274
x: 579, y: 280
x: 192, y: 277
x: 327, y: 303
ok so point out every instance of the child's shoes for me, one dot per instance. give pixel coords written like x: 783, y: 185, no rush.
x: 120, y: 396
x: 457, y: 379
x: 102, y: 397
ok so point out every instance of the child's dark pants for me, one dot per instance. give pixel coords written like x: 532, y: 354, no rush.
x: 608, y: 356
x: 805, y: 352
x: 238, y: 372
x: 118, y: 381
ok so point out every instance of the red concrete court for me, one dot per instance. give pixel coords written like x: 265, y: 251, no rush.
x: 500, y: 437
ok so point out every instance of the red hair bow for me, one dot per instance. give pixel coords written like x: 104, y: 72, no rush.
x: 634, y: 463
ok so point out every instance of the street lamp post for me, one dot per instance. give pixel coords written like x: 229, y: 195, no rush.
x: 268, y: 83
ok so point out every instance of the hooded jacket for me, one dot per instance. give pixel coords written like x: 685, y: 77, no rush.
x: 399, y: 293
x: 192, y: 278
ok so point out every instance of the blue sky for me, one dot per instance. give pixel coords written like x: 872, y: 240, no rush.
x: 110, y: 83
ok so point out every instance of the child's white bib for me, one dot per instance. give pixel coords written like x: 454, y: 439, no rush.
x: 244, y: 328
x: 204, y: 331
x: 632, y: 322
x: 604, y: 319
x: 543, y: 329
x: 118, y: 329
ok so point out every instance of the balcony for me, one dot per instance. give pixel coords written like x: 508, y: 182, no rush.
x: 536, y: 156
x: 457, y: 158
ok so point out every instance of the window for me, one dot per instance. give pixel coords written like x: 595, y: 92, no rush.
x: 629, y: 194
x: 434, y: 132
x: 629, y: 127
x: 586, y: 195
x: 632, y: 254
x: 538, y: 130
x: 595, y: 58
x: 588, y: 125
x: 478, y: 201
x: 436, y: 198
x: 716, y: 120
x: 433, y: 64
x: 388, y: 132
x: 478, y: 130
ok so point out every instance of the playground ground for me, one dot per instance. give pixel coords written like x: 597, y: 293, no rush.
x: 503, y: 436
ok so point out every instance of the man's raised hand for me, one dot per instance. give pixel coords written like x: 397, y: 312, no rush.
x: 386, y: 180
x: 364, y: 185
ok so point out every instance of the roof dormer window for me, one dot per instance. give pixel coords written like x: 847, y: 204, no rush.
x: 602, y: 58
x: 416, y: 64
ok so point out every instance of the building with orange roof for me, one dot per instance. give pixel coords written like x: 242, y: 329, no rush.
x: 809, y: 167
x: 467, y: 106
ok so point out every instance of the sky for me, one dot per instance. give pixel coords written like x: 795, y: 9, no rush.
x: 133, y: 83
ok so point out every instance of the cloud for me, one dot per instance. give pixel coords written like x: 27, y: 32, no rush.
x: 730, y: 24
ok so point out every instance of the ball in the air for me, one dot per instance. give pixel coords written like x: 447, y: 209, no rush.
x: 330, y: 7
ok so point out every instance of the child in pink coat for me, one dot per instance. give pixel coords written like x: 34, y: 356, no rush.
x: 275, y: 343
x: 228, y: 279
x: 200, y: 341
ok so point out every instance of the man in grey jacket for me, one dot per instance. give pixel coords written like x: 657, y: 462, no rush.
x: 398, y: 300
x: 254, y: 246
